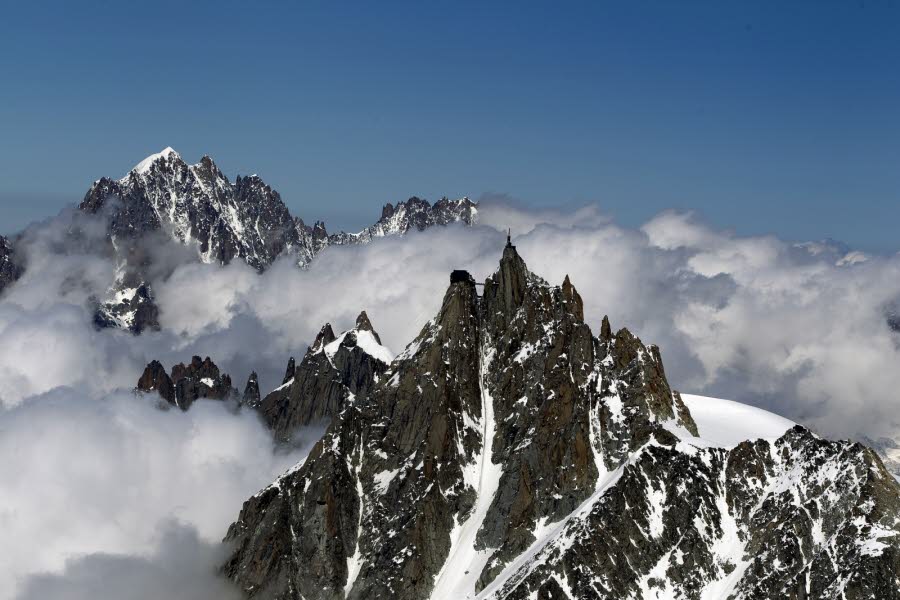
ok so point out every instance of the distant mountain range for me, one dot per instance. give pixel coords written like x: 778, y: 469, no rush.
x: 246, y: 219
x: 164, y: 200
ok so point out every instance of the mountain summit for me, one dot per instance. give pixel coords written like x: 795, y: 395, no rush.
x: 246, y: 219
x: 509, y: 453
x: 197, y: 205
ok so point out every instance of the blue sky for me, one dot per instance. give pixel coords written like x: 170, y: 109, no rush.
x: 763, y: 117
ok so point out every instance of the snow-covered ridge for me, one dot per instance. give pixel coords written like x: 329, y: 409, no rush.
x: 144, y: 165
x: 365, y: 341
x: 725, y: 423
x: 198, y: 206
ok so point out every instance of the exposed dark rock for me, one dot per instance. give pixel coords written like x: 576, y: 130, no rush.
x: 333, y: 372
x: 187, y: 382
x: 132, y: 309
x: 363, y: 324
x: 10, y: 269
x: 460, y: 276
x: 323, y: 338
x: 197, y: 204
x: 155, y: 379
x: 605, y: 330
x: 289, y: 372
x: 251, y: 395
x: 504, y: 411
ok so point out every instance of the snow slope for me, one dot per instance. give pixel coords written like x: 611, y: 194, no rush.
x: 725, y: 423
x: 721, y: 424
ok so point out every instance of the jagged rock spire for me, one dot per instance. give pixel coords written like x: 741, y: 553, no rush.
x: 606, y: 330
x: 364, y: 324
x: 572, y: 299
x: 289, y: 371
x: 507, y: 286
x: 251, y: 395
x: 324, y: 337
x: 155, y: 378
x: 198, y: 379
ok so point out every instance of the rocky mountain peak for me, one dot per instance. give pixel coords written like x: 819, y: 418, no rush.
x: 605, y: 330
x: 198, y: 379
x: 289, y: 371
x: 161, y: 160
x: 156, y: 379
x: 363, y: 324
x: 334, y: 372
x: 572, y: 299
x: 251, y: 396
x: 323, y: 338
x: 502, y: 416
x: 505, y: 290
x: 318, y: 231
x: 207, y: 171
x: 196, y: 205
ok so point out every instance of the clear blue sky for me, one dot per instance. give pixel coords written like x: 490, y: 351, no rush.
x: 764, y: 117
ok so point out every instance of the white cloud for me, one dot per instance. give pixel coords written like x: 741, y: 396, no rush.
x: 85, y: 475
x: 180, y: 567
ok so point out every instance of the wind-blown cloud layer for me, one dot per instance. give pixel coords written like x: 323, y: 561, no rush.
x: 98, y: 482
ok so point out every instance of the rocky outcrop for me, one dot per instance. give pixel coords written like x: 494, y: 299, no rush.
x: 414, y: 214
x: 292, y: 368
x: 10, y: 270
x: 499, y: 422
x: 799, y: 517
x: 251, y: 397
x: 155, y: 379
x: 130, y: 308
x: 334, y: 371
x: 187, y: 382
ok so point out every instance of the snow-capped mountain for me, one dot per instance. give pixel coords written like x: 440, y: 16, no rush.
x: 334, y: 371
x: 508, y: 453
x: 246, y: 219
x: 197, y: 205
x: 415, y: 214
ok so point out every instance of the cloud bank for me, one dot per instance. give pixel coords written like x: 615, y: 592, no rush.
x: 100, y: 486
x: 106, y: 493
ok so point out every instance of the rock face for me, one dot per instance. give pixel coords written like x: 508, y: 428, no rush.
x: 508, y: 453
x: 10, y: 271
x: 414, y: 214
x: 334, y: 371
x: 251, y: 395
x: 187, y: 382
x: 197, y: 205
x: 130, y: 308
x: 798, y: 517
